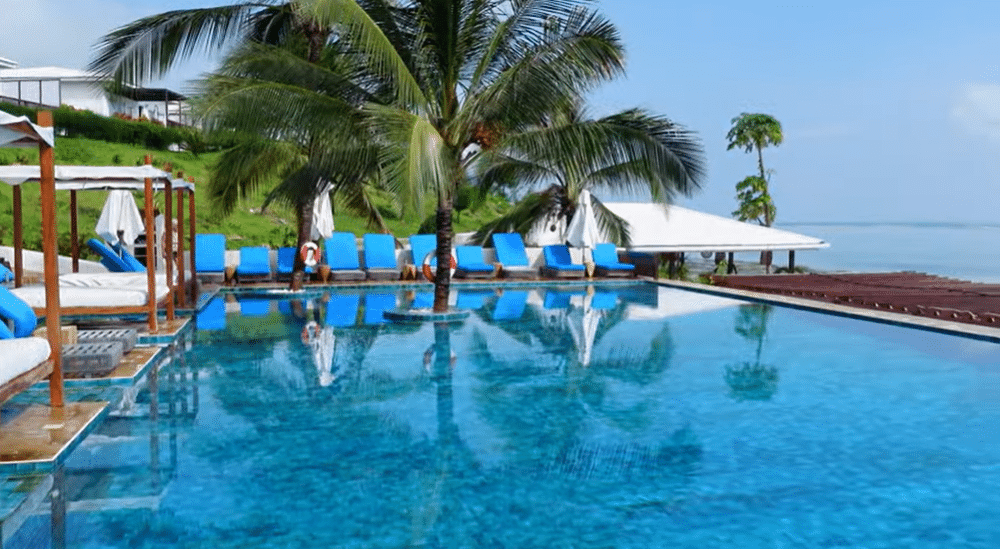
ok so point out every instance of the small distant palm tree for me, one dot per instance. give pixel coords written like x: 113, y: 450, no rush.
x: 629, y: 152
x: 755, y: 131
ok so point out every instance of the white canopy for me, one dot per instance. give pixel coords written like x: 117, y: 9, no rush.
x: 69, y: 178
x: 18, y: 131
x: 658, y: 228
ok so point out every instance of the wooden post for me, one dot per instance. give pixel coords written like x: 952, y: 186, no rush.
x: 168, y: 244
x: 180, y: 243
x: 731, y: 264
x: 18, y: 238
x: 150, y: 254
x: 50, y: 250
x: 72, y: 232
x: 791, y: 261
x: 194, y: 279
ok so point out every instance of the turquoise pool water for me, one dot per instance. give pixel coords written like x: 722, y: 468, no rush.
x: 611, y: 416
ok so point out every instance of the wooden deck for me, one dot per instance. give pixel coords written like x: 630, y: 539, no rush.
x: 906, y: 293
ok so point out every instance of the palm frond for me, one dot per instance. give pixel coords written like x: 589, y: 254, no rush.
x: 149, y: 47
x: 243, y: 169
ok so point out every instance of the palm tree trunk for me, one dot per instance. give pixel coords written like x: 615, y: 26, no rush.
x: 304, y: 217
x: 765, y: 256
x: 442, y: 278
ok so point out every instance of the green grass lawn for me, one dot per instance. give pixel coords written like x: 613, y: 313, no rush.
x: 245, y: 226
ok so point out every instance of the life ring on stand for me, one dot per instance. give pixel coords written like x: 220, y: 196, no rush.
x: 309, y: 253
x: 429, y: 273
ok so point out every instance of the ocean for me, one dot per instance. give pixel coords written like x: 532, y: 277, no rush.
x: 968, y: 251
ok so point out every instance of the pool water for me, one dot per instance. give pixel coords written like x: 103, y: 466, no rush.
x: 608, y: 416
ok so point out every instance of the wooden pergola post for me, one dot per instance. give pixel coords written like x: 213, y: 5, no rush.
x: 75, y: 243
x: 194, y: 279
x: 180, y: 243
x: 168, y: 244
x: 50, y: 251
x: 18, y: 238
x: 150, y: 256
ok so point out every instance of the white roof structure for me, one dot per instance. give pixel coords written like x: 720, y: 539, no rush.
x: 48, y: 73
x: 18, y: 131
x: 76, y: 178
x: 659, y: 228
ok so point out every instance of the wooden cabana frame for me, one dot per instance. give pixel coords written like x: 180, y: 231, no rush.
x: 19, y: 132
x: 75, y: 178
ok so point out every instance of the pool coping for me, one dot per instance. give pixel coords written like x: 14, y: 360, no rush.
x: 885, y: 317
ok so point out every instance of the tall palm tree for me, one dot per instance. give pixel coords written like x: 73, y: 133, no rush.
x: 755, y: 131
x: 634, y: 152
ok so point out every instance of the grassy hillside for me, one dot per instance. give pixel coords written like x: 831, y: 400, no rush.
x: 245, y: 226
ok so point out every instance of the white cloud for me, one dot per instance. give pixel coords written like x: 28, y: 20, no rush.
x: 977, y: 110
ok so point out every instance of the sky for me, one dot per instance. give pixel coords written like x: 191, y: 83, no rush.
x: 890, y: 109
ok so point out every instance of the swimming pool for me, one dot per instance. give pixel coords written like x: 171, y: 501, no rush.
x: 606, y: 416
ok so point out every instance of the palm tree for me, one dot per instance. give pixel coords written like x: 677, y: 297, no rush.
x: 635, y: 151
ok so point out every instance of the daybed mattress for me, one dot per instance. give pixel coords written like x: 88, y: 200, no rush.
x: 109, y: 280
x: 122, y: 296
x: 21, y: 354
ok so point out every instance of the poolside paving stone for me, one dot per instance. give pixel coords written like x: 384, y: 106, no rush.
x: 42, y: 433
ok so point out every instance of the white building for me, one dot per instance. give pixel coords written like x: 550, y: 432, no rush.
x: 57, y: 86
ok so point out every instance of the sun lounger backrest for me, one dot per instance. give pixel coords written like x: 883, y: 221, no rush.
x: 109, y: 258
x: 5, y: 274
x: 557, y: 255
x: 341, y: 251
x: 134, y: 265
x: 510, y: 249
x: 380, y: 251
x: 18, y: 314
x: 254, y: 260
x: 469, y: 255
x: 421, y: 245
x: 286, y: 259
x: 605, y: 254
x: 210, y: 253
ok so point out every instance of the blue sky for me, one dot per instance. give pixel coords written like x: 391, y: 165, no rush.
x: 891, y: 109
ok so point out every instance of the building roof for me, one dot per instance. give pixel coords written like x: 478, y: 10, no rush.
x: 151, y: 94
x: 47, y: 73
x: 658, y: 228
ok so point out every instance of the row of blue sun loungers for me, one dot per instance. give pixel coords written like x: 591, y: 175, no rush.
x: 340, y: 254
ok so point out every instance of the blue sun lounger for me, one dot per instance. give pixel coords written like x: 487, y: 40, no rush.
x: 470, y: 263
x: 210, y: 255
x: 115, y: 260
x: 380, y: 257
x: 606, y: 261
x: 512, y: 257
x: 558, y: 263
x: 420, y: 246
x: 255, y: 263
x: 286, y: 263
x: 341, y: 253
x: 5, y: 274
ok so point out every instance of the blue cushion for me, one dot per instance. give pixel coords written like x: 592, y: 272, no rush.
x: 341, y: 251
x: 510, y: 250
x: 212, y: 316
x: 380, y: 251
x: 470, y: 258
x: 510, y: 305
x: 557, y: 255
x: 5, y: 274
x: 606, y: 255
x: 421, y: 245
x: 254, y: 260
x: 109, y: 258
x: 210, y: 253
x: 15, y: 311
x: 376, y: 304
x: 286, y: 260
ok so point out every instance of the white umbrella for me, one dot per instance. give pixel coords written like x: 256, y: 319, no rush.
x: 582, y: 231
x: 322, y: 216
x: 120, y: 214
x: 583, y: 323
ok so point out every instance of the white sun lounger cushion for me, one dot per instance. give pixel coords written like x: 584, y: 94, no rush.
x: 21, y: 354
x: 109, y: 280
x: 34, y: 296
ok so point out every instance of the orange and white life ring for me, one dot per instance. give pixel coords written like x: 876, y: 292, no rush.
x: 309, y: 253
x: 310, y: 332
x: 429, y: 272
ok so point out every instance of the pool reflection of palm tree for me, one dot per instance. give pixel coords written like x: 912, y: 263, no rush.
x: 752, y: 380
